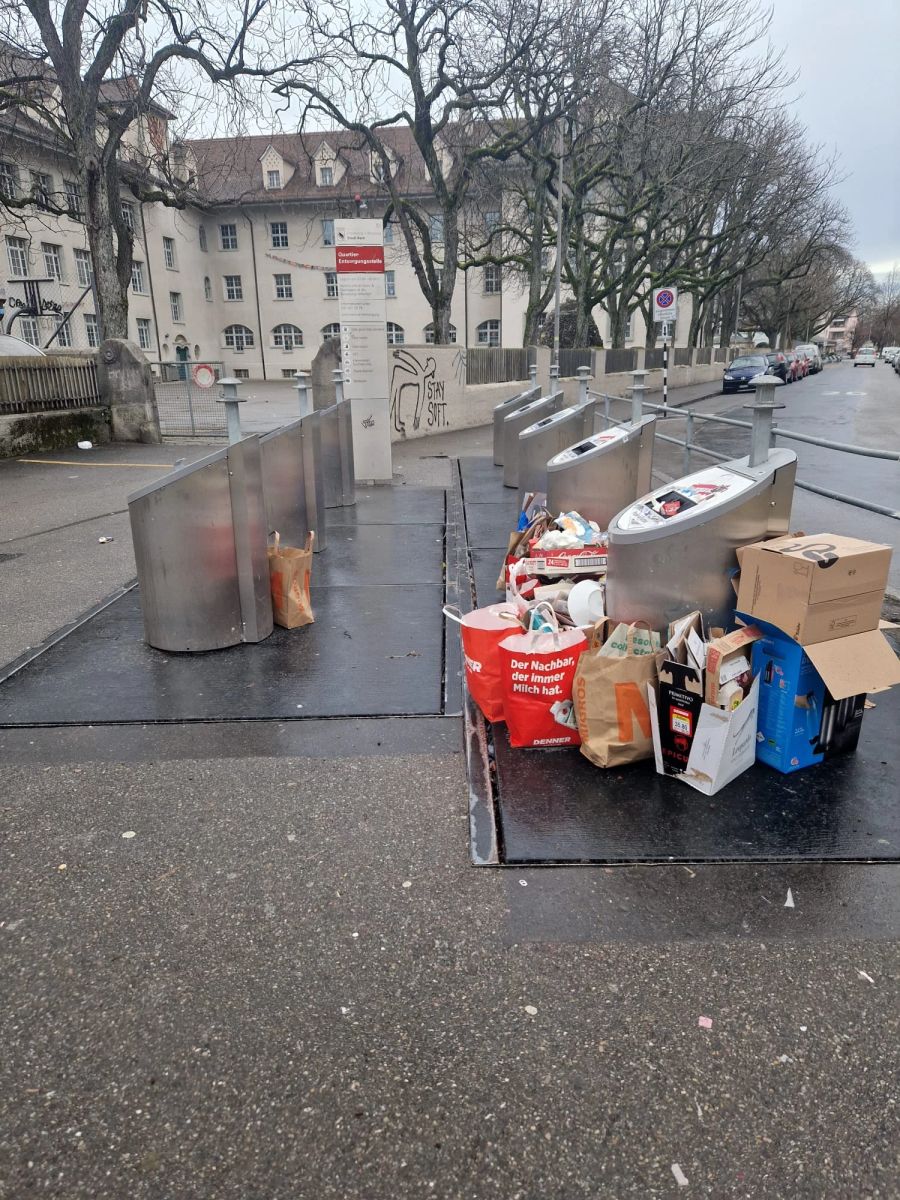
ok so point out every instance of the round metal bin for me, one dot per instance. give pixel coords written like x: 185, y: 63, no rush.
x: 513, y: 426
x: 603, y: 473
x: 545, y: 438
x: 502, y: 411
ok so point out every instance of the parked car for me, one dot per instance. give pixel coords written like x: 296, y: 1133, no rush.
x: 802, y: 363
x: 812, y: 353
x: 889, y: 353
x: 795, y: 370
x: 777, y: 360
x: 865, y: 357
x: 742, y: 369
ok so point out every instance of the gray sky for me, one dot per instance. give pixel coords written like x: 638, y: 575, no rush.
x: 848, y: 95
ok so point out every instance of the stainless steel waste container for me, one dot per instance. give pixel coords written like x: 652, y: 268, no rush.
x: 513, y: 426
x: 601, y: 474
x: 673, y: 550
x: 337, y: 454
x: 200, y: 537
x: 502, y: 410
x: 288, y: 463
x: 314, y: 480
x: 545, y: 438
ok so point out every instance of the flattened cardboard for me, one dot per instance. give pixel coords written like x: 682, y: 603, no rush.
x: 817, y: 587
x: 863, y: 662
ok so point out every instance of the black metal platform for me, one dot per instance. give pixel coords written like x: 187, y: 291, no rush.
x: 555, y: 807
x: 376, y: 648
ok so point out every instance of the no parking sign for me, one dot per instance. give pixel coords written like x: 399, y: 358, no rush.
x: 665, y: 303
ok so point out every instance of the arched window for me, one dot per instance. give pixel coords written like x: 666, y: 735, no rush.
x: 429, y: 334
x: 238, y: 338
x: 286, y: 337
x: 201, y: 234
x: 207, y: 287
x: 488, y: 333
x: 395, y: 334
x: 331, y: 331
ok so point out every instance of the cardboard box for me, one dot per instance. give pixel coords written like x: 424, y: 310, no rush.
x: 723, y: 745
x: 590, y: 560
x: 721, y: 658
x: 814, y: 588
x: 812, y: 698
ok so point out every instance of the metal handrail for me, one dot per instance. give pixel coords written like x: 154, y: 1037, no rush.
x: 690, y: 447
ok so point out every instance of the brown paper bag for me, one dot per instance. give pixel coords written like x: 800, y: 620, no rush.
x: 611, y: 705
x: 289, y: 571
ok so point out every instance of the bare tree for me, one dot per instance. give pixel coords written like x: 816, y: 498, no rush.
x: 92, y: 82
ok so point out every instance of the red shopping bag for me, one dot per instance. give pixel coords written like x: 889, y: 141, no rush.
x: 482, y: 631
x: 538, y: 670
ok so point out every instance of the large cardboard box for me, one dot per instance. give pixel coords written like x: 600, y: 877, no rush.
x: 814, y: 588
x: 812, y: 698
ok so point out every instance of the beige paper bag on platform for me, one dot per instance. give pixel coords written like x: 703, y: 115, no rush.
x: 289, y: 572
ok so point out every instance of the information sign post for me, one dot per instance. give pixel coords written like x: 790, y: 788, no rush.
x: 359, y: 263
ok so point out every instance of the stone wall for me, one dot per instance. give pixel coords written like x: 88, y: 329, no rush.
x: 28, y: 433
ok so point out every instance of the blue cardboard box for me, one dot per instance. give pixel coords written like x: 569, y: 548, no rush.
x: 812, y: 698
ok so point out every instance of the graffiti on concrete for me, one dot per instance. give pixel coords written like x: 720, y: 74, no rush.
x: 414, y: 389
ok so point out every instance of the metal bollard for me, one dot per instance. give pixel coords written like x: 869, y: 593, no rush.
x: 304, y: 400
x: 638, y: 388
x: 763, y: 409
x: 554, y: 373
x: 338, y: 377
x: 584, y: 378
x: 532, y: 374
x: 231, y: 400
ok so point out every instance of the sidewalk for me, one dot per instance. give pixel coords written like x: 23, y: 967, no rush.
x: 290, y: 983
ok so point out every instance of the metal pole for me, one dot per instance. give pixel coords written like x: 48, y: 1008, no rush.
x: 232, y: 400
x: 584, y: 378
x: 554, y: 374
x: 688, y: 438
x: 302, y: 386
x: 665, y: 369
x: 638, y: 388
x: 559, y: 243
x: 338, y: 378
x: 763, y: 409
x: 532, y: 374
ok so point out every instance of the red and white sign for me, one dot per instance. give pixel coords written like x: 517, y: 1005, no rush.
x: 353, y: 260
x: 665, y: 303
x: 203, y: 375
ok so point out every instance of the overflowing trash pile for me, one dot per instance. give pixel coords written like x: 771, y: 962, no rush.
x: 785, y: 682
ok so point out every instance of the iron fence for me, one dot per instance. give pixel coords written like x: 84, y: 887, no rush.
x: 620, y: 360
x: 186, y: 407
x: 496, y: 364
x: 690, y: 447
x: 59, y: 381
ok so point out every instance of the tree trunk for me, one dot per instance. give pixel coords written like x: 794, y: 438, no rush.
x: 112, y: 264
x: 440, y: 310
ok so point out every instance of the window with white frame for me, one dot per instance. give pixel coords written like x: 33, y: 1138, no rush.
x: 201, y: 238
x: 284, y: 287
x: 9, y: 181
x: 176, y: 307
x: 92, y: 330
x: 436, y: 227
x: 379, y: 174
x: 488, y: 333
x: 286, y: 337
x: 395, y: 334
x: 228, y: 238
x: 326, y: 176
x: 390, y: 284
x: 128, y: 214
x: 74, y: 203
x: 17, y: 256
x: 169, y: 254
x: 241, y: 373
x: 287, y: 373
x: 28, y: 330
x: 207, y: 288
x: 238, y: 338
x: 429, y: 335
x: 331, y: 285
x: 137, y: 277
x: 42, y: 188
x: 491, y: 221
x: 52, y: 259
x: 234, y: 287
x: 273, y: 179
x: 144, y: 332
x: 331, y: 331
x: 63, y: 333
x: 328, y: 231
x: 389, y: 233
x: 84, y: 268
x: 279, y: 235
x: 492, y: 279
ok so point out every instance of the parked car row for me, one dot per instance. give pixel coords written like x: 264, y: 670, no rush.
x: 789, y: 365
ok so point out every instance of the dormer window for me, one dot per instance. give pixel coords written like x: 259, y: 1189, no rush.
x: 326, y: 176
x: 273, y: 179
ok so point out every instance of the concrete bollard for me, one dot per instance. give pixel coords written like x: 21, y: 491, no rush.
x: 231, y: 400
x: 638, y: 389
x: 584, y: 378
x: 304, y: 400
x: 762, y: 408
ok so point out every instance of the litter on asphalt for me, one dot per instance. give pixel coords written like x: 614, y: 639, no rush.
x: 680, y: 1178
x: 705, y: 1022
x: 789, y: 903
